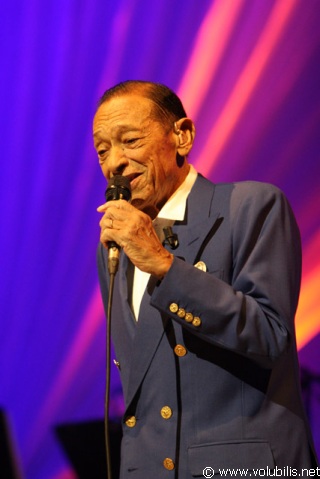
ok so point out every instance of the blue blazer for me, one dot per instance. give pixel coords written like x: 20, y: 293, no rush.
x: 210, y: 371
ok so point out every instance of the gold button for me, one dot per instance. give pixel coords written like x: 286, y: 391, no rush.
x: 168, y: 463
x: 180, y: 350
x: 181, y: 313
x: 201, y: 265
x: 131, y: 421
x: 117, y: 363
x: 173, y: 307
x: 189, y: 317
x: 166, y: 412
x: 196, y: 321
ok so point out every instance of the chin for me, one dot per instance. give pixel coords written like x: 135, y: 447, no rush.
x: 147, y: 208
x: 141, y: 199
x: 139, y: 203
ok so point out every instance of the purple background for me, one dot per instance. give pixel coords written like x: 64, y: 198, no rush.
x: 248, y: 72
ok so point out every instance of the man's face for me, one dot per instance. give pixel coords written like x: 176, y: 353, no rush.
x: 130, y: 141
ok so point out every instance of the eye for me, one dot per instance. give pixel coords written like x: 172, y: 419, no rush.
x: 102, y: 153
x: 130, y: 141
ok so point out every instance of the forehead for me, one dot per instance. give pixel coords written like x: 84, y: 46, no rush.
x: 122, y: 113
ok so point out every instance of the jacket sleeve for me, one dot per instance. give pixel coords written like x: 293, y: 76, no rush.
x: 252, y: 312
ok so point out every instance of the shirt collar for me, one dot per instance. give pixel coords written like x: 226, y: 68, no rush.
x: 175, y: 208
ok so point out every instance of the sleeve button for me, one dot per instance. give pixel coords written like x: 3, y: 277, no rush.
x: 173, y: 307
x: 181, y: 313
x: 188, y: 317
x: 196, y: 321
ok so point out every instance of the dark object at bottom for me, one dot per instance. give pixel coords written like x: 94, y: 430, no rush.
x: 84, y: 446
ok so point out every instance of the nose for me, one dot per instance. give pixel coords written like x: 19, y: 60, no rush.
x: 116, y: 162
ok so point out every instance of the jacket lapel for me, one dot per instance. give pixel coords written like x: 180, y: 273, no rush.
x: 150, y: 328
x: 123, y: 323
x: 199, y: 219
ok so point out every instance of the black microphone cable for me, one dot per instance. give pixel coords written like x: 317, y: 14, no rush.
x: 118, y: 188
x: 108, y: 371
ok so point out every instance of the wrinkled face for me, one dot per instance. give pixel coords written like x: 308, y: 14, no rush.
x: 130, y: 141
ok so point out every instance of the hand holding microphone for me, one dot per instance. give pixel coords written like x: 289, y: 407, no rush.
x: 118, y: 188
x: 124, y: 226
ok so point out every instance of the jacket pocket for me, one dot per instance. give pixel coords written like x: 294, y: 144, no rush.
x: 247, y: 455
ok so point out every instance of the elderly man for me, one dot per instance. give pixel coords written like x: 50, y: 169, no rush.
x: 203, y: 333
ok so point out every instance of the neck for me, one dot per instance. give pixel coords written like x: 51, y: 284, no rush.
x: 153, y: 210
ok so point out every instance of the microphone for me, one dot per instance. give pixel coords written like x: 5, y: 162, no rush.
x: 118, y: 189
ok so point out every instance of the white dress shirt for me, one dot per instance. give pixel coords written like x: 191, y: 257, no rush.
x: 173, y: 210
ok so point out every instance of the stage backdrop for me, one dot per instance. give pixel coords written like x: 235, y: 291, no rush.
x: 248, y: 72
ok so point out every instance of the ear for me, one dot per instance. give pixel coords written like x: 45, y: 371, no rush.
x: 185, y: 131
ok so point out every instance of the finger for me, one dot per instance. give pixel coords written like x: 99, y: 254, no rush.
x: 107, y: 222
x: 111, y: 204
x: 108, y: 232
x: 102, y: 208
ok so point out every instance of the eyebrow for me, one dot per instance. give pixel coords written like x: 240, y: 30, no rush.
x: 125, y: 128
x: 122, y: 129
